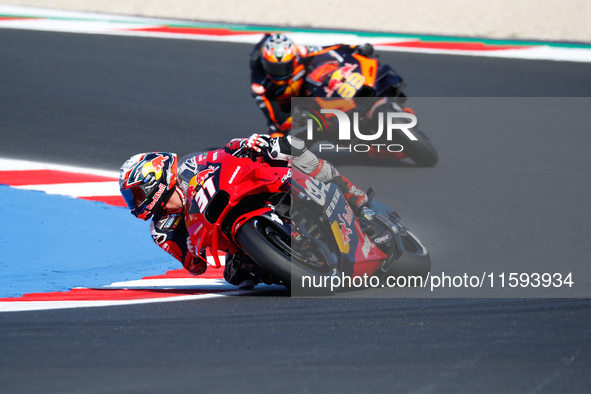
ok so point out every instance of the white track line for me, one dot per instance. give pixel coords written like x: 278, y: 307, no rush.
x: 531, y: 53
x: 175, y: 283
x: 23, y: 306
x: 88, y: 189
x: 24, y: 165
x: 78, y: 22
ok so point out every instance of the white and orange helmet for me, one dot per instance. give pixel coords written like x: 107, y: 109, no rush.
x: 279, y: 56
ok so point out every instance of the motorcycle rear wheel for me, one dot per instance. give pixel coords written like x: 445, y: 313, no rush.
x: 421, y: 151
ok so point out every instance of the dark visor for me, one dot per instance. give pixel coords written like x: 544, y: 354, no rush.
x: 278, y: 70
x: 135, y: 196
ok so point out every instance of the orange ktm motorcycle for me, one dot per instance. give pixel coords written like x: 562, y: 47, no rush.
x: 359, y: 85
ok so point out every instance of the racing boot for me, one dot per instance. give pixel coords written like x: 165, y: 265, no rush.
x: 354, y: 195
x: 239, y: 271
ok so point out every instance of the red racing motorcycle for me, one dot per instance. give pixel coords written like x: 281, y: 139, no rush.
x: 299, y: 231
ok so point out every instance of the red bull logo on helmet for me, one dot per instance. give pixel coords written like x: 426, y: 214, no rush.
x: 158, y: 162
x: 155, y: 165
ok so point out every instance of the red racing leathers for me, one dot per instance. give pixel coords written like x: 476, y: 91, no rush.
x: 169, y: 231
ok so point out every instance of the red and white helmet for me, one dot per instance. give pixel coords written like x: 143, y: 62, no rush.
x: 279, y: 56
x: 147, y: 181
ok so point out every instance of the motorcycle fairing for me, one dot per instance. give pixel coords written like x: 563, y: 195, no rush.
x: 215, y: 189
x: 357, y: 254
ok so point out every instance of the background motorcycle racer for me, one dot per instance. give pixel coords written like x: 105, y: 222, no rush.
x: 278, y: 69
x: 150, y: 186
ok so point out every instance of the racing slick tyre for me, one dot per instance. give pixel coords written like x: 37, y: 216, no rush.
x: 270, y: 248
x: 421, y: 151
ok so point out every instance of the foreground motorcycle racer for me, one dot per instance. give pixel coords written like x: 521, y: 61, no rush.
x: 150, y: 186
x: 278, y: 69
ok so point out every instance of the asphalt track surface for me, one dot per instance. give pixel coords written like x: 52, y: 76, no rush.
x: 94, y: 100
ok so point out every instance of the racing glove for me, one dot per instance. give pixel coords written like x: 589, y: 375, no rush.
x: 194, y: 263
x: 294, y: 151
x: 257, y: 142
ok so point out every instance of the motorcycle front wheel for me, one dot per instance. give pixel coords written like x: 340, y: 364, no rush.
x: 271, y: 249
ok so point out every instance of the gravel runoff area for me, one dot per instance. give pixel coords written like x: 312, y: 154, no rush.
x: 555, y: 20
